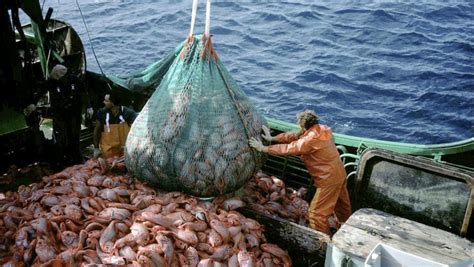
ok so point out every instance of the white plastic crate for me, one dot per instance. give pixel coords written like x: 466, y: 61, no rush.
x: 384, y: 255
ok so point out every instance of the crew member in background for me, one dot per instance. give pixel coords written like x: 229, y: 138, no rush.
x: 66, y: 93
x: 319, y: 153
x: 112, y: 127
x: 33, y: 119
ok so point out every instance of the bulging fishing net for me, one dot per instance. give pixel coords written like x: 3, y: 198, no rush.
x: 192, y: 134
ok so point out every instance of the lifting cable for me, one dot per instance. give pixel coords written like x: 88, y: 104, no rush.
x: 92, y: 46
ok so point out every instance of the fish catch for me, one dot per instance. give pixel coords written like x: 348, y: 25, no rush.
x: 138, y: 226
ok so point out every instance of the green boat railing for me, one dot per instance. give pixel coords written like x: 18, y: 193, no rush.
x: 436, y: 150
x: 459, y: 154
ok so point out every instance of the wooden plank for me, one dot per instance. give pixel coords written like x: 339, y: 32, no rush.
x: 307, y: 247
x: 368, y: 227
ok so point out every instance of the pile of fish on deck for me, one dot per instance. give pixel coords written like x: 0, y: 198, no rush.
x: 269, y: 195
x: 87, y: 214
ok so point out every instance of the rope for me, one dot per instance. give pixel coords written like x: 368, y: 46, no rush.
x: 208, y: 18
x: 90, y: 43
x: 193, y: 17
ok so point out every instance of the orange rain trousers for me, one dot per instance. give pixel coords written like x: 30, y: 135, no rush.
x: 112, y: 142
x: 329, y: 199
x: 320, y: 156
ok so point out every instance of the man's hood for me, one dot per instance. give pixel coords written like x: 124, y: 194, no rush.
x: 321, y: 132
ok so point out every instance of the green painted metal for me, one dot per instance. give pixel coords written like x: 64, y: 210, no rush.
x: 37, y: 38
x: 434, y: 150
x: 40, y: 48
x: 58, y: 57
x: 11, y: 121
x: 29, y: 37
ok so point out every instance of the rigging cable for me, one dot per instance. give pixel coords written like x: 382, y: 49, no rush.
x: 90, y: 43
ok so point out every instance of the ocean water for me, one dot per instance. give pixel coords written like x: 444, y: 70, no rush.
x: 392, y: 70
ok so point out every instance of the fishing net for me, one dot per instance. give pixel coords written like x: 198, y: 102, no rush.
x: 192, y: 134
x: 146, y: 81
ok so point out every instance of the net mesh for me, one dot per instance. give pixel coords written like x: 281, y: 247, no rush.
x: 146, y: 81
x: 192, y: 134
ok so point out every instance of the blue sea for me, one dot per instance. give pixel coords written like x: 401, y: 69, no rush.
x: 392, y: 70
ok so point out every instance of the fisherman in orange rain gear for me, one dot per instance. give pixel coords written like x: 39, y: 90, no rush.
x: 112, y: 127
x: 319, y: 153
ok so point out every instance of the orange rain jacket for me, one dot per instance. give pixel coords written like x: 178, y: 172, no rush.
x: 318, y: 152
